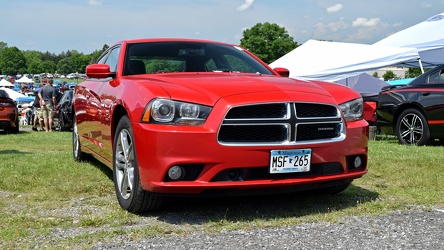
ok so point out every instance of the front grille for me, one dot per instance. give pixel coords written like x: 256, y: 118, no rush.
x: 254, y: 133
x: 315, y: 110
x: 261, y: 111
x: 279, y: 123
x: 305, y: 132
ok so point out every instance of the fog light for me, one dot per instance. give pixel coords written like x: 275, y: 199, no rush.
x: 233, y: 175
x: 175, y: 172
x: 358, y: 162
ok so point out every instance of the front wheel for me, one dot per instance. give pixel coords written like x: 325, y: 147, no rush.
x: 76, y: 147
x: 126, y: 177
x: 62, y: 125
x: 412, y: 128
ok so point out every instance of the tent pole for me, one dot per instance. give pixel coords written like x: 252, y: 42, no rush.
x: 420, y: 65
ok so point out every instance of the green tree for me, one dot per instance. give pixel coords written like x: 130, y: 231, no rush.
x: 3, y: 45
x: 375, y: 74
x: 65, y: 66
x: 389, y: 75
x: 268, y: 41
x: 413, y: 73
x: 33, y: 61
x: 12, y: 61
x: 48, y: 66
x: 75, y: 62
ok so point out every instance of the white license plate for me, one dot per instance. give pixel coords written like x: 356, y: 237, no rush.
x: 290, y: 161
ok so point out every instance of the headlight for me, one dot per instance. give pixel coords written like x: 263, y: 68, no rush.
x: 167, y: 111
x: 353, y: 110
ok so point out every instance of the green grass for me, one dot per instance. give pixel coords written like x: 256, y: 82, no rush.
x: 50, y: 201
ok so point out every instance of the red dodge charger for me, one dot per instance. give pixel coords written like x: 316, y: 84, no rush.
x: 194, y: 117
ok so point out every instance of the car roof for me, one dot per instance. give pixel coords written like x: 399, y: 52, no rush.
x: 143, y: 40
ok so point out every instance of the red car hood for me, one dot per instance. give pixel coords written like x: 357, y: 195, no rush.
x: 208, y: 88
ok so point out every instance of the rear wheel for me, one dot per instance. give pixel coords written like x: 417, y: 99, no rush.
x: 62, y: 126
x: 126, y: 177
x: 412, y: 128
x: 16, y: 129
x: 76, y: 147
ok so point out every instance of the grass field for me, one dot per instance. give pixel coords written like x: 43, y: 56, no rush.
x: 50, y: 201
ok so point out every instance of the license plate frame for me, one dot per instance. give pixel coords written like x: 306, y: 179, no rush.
x: 290, y: 161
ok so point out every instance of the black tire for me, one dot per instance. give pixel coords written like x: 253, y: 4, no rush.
x: 16, y: 129
x: 126, y: 178
x: 412, y: 128
x: 76, y: 147
x: 62, y: 125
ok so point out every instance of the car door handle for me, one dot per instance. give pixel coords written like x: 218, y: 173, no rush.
x: 425, y: 93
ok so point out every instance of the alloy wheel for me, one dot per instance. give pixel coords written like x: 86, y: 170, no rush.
x: 124, y: 162
x: 411, y: 128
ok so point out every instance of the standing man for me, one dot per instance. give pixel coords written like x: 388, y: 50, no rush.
x: 37, y: 114
x: 47, y: 96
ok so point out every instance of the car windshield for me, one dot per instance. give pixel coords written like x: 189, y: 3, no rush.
x: 166, y: 57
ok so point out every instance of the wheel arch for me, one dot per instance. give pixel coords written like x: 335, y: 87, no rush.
x: 119, y: 112
x: 402, y: 108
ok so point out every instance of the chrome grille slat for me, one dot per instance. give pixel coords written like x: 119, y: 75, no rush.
x: 259, y: 112
x: 281, y: 123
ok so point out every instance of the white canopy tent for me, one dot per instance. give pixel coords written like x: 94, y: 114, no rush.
x: 25, y: 79
x: 5, y: 83
x: 13, y: 94
x: 427, y: 37
x: 332, y: 61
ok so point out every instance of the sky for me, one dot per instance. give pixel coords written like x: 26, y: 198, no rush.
x: 86, y: 25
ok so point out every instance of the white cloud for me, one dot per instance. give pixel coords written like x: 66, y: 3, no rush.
x: 95, y: 2
x: 245, y: 6
x: 364, y: 22
x: 334, y: 8
x: 335, y: 26
x: 328, y: 31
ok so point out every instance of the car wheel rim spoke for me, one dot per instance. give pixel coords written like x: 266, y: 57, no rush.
x: 76, y: 140
x: 125, y: 164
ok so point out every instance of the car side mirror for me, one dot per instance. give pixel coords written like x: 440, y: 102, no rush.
x: 98, y: 71
x: 282, y: 72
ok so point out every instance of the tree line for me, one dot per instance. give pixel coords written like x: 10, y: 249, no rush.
x: 13, y: 61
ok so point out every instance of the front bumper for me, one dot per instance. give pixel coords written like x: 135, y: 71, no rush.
x: 159, y: 147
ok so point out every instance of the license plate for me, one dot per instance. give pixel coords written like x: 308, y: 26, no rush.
x: 290, y: 161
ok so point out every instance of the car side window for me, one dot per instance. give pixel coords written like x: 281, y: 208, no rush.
x: 111, y: 58
x: 436, y: 77
x: 103, y: 58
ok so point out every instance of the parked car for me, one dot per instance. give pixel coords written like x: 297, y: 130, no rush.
x: 9, y: 114
x: 63, y: 111
x: 414, y: 112
x: 192, y: 117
